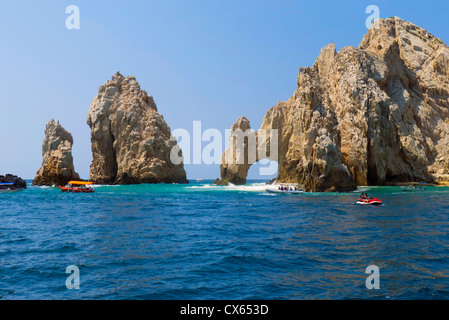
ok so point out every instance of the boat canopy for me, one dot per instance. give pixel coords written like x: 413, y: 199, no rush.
x: 7, y: 184
x: 84, y: 183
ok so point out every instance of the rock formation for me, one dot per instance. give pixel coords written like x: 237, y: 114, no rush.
x: 233, y: 168
x: 20, y: 183
x: 131, y: 142
x: 373, y: 115
x: 57, y: 164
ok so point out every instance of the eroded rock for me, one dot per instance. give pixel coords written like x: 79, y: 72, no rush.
x: 130, y: 139
x: 57, y: 164
x: 373, y: 115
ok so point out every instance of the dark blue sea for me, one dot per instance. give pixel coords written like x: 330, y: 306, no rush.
x: 199, y: 241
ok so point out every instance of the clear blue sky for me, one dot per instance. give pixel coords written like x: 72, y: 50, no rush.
x: 201, y: 60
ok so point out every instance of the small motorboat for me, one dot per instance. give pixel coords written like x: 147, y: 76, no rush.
x: 370, y: 201
x: 78, y: 187
x: 284, y: 190
x: 7, y: 187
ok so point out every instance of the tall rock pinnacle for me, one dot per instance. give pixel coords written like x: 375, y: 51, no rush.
x: 130, y: 139
x: 57, y: 164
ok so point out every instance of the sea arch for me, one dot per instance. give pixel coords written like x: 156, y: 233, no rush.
x: 248, y: 147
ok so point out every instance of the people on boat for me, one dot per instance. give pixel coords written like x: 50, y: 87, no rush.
x: 364, y: 196
x: 8, y: 186
x: 285, y: 188
x: 78, y: 186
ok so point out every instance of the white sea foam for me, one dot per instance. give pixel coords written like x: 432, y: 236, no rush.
x: 105, y: 185
x: 254, y: 187
x: 41, y: 187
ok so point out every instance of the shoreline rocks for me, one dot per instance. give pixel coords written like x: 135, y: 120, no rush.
x: 8, y: 178
x: 57, y: 163
x: 131, y: 142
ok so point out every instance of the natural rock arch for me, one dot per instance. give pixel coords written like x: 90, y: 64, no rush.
x: 276, y: 142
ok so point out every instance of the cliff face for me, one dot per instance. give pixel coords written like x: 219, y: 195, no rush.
x: 372, y: 115
x: 57, y: 164
x: 130, y: 139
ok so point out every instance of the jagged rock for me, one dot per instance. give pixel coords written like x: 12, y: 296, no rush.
x: 57, y: 163
x: 8, y: 178
x: 373, y: 115
x: 219, y: 182
x: 130, y: 139
x: 324, y: 61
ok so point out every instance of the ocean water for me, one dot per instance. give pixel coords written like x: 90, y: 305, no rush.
x: 199, y: 241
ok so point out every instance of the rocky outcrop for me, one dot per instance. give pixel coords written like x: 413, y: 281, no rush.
x: 9, y: 178
x: 57, y: 164
x: 235, y: 165
x: 373, y: 115
x: 131, y: 142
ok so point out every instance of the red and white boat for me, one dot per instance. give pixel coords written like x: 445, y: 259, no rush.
x: 369, y: 201
x: 78, y: 187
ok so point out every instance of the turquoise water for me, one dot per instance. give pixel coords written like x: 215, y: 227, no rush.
x: 199, y: 241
